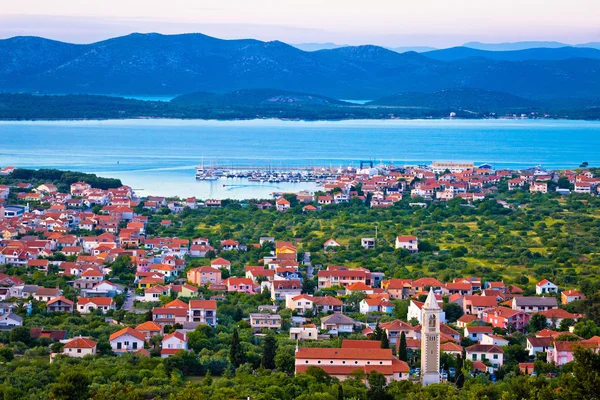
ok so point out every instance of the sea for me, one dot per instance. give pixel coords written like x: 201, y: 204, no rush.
x: 158, y: 157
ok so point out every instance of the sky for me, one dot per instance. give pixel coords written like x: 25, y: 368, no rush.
x: 437, y: 23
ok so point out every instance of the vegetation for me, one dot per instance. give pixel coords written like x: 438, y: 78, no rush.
x: 30, y: 107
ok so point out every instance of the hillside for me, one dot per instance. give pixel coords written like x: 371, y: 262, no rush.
x: 459, y: 99
x: 255, y: 97
x: 154, y: 64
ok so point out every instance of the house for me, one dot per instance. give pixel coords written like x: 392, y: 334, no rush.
x: 506, y: 318
x: 545, y: 287
x: 282, y: 288
x: 476, y: 305
x: 326, y: 304
x: 259, y: 321
x: 185, y: 290
x: 331, y: 243
x: 397, y: 288
x: 358, y: 287
x: 153, y: 293
x: 482, y: 352
x: 200, y: 250
x: 304, y: 332
x: 282, y: 204
x: 376, y: 305
x: 539, y: 187
x: 242, y: 285
x: 203, y: 311
x: 367, y: 243
x: 60, y: 304
x: 127, y: 340
x: 149, y: 329
x: 174, y: 343
x: 415, y: 310
x: 466, y: 319
x: 86, y: 305
x: 475, y: 333
x: 221, y: 263
x: 537, y: 345
x: 103, y: 289
x: 79, y: 347
x: 342, y: 276
x: 555, y: 316
x: 493, y: 339
x: 170, y: 315
x: 341, y: 363
x: 300, y: 303
x: 203, y: 276
x: 563, y: 352
x: 395, y: 328
x: 534, y: 304
x: 409, y: 243
x: 46, y: 294
x: 54, y: 334
x: 337, y: 323
x: 10, y: 320
x: 571, y: 295
x: 229, y: 245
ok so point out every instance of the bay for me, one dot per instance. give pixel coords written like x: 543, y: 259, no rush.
x: 159, y: 156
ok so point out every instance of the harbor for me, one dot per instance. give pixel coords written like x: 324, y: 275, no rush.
x: 290, y: 174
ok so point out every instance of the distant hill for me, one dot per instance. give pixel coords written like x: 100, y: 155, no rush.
x: 154, y: 64
x: 526, y: 45
x: 541, y: 53
x: 416, y: 49
x: 458, y: 99
x: 318, y: 46
x: 330, y: 46
x: 256, y: 97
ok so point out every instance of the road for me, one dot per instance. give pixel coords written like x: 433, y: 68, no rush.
x: 309, y: 267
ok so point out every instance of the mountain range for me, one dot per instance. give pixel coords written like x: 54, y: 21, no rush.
x: 175, y: 64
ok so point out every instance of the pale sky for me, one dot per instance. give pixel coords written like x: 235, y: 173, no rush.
x: 384, y: 22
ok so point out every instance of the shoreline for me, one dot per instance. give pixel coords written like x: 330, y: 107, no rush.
x: 2, y: 120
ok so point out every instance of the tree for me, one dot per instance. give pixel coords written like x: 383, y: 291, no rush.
x: 71, y: 385
x: 585, y: 383
x: 269, y: 351
x: 208, y: 381
x: 385, y: 342
x: 453, y: 312
x: 460, y: 377
x: 340, y: 394
x: 377, y: 384
x: 6, y: 354
x: 20, y: 334
x: 403, y: 350
x: 377, y: 332
x: 284, y: 360
x: 586, y: 329
x: 537, y: 323
x: 236, y: 353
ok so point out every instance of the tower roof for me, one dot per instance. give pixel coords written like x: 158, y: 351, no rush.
x: 431, y: 302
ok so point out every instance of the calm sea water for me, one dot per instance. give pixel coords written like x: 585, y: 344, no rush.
x: 158, y: 156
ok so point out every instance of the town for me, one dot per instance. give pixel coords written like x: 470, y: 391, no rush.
x: 105, y: 255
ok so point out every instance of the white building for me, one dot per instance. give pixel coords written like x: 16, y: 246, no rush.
x: 545, y: 286
x: 409, y: 243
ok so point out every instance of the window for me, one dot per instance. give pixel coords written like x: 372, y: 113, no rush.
x: 79, y: 350
x: 474, y: 357
x: 495, y: 356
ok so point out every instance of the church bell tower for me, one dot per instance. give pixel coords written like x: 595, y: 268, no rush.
x: 430, y: 341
